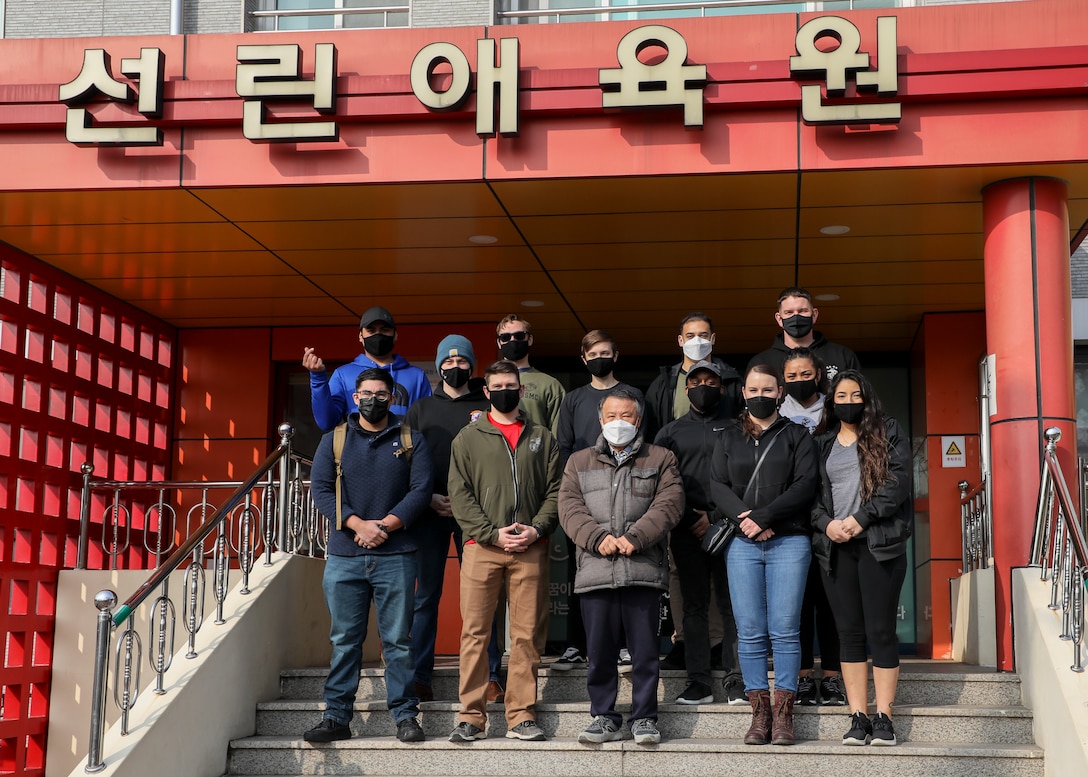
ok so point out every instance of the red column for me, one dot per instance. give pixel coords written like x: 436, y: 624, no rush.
x: 1029, y: 329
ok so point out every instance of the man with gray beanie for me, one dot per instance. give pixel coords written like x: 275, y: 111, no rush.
x: 332, y: 398
x: 458, y: 400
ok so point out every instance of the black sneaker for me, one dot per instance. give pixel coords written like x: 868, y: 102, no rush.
x: 808, y: 695
x: 408, y: 730
x: 328, y: 730
x: 466, y: 732
x: 734, y: 691
x: 570, y: 659
x: 696, y: 693
x: 861, y: 730
x: 831, y: 693
x: 675, y: 659
x: 883, y: 731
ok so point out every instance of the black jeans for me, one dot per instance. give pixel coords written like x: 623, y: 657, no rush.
x: 864, y: 594
x: 818, y: 620
x: 698, y: 571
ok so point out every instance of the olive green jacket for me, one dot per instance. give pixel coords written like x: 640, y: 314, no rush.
x: 491, y: 486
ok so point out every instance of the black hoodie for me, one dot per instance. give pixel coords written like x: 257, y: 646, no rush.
x: 834, y: 356
x: 440, y: 417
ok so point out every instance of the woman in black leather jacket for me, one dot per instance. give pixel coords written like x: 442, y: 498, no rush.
x: 861, y: 524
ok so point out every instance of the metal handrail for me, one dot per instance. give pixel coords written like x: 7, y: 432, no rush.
x: 1059, y: 549
x: 976, y: 526
x: 161, y: 616
x: 609, y: 9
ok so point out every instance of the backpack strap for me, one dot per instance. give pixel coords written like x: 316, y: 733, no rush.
x: 339, y: 435
x: 405, y: 442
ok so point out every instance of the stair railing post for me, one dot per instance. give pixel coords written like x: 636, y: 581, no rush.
x: 286, y: 432
x: 104, y: 601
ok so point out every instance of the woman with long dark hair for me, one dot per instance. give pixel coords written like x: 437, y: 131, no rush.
x: 862, y: 523
x: 763, y: 476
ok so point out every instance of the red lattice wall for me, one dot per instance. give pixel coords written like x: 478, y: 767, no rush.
x: 83, y: 378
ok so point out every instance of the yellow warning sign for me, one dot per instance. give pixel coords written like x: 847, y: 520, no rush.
x: 953, y: 450
x: 954, y: 446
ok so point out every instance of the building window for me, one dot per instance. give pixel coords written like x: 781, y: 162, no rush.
x: 272, y: 15
x: 553, y: 11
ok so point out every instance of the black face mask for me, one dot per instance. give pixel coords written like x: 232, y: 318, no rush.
x: 797, y: 326
x: 600, y: 367
x: 378, y: 345
x: 505, y: 400
x: 801, y: 390
x: 849, y: 412
x: 515, y: 350
x: 761, y: 407
x: 705, y: 399
x: 373, y: 409
x: 456, y: 376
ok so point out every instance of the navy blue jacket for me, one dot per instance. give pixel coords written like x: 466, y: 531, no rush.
x: 378, y: 481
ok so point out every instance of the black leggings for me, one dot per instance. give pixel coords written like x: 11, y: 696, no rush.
x: 864, y: 593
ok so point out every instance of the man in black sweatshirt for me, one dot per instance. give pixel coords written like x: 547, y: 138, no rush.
x: 692, y: 438
x: 796, y: 316
x: 458, y: 400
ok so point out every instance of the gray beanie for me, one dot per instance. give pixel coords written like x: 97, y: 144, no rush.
x: 454, y: 345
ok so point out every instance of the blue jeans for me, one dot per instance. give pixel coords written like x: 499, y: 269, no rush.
x: 767, y: 586
x: 349, y: 583
x: 432, y: 535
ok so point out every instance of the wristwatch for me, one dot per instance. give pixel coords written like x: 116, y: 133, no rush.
x: 383, y: 528
x: 540, y: 533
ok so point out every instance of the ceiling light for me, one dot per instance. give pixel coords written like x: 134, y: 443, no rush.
x: 483, y: 239
x: 835, y: 229
x: 532, y: 303
x: 827, y: 297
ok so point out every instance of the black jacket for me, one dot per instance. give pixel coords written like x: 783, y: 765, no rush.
x: 785, y: 486
x: 834, y: 356
x: 887, y: 517
x: 661, y: 396
x: 440, y: 417
x: 692, y: 438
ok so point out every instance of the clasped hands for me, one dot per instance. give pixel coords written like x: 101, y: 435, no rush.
x: 752, y: 530
x: 517, y: 537
x: 844, y: 530
x: 611, y: 545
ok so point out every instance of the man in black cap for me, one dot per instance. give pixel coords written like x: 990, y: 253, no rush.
x: 331, y: 399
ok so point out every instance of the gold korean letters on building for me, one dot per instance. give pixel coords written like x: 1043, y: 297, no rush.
x: 273, y: 73
x: 277, y: 96
x: 670, y: 82
x: 839, y: 64
x: 95, y: 78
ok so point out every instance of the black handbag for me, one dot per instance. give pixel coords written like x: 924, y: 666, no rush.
x: 720, y: 533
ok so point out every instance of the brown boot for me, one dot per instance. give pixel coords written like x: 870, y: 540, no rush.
x: 760, y: 731
x: 782, y: 731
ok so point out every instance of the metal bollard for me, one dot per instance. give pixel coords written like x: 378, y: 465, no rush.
x: 104, y: 601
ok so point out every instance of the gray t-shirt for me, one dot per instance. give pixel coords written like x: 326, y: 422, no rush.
x: 844, y: 472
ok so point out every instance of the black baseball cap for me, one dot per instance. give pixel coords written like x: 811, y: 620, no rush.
x: 377, y: 313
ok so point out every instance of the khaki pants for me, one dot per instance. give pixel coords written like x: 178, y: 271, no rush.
x: 486, y: 572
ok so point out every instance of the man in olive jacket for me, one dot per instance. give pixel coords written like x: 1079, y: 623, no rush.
x: 503, y: 485
x: 618, y: 502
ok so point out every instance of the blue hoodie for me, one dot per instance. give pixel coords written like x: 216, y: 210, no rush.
x: 332, y: 399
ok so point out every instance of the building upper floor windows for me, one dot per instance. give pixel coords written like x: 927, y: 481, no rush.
x: 330, y: 14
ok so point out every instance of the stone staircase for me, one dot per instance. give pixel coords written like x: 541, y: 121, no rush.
x: 950, y: 719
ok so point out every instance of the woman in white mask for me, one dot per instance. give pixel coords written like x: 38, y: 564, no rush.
x: 763, y: 477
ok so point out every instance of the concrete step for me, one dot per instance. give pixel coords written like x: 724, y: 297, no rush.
x: 920, y: 682
x: 566, y: 758
x: 930, y: 723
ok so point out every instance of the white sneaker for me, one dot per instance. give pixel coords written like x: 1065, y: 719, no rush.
x: 624, y: 664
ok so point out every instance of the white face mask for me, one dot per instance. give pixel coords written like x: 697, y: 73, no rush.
x: 698, y: 348
x: 619, y: 432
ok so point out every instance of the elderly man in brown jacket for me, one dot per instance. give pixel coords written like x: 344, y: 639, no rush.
x: 618, y: 501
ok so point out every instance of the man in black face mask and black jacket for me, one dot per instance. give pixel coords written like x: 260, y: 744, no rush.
x: 692, y: 438
x: 331, y: 398
x: 797, y: 317
x: 458, y: 401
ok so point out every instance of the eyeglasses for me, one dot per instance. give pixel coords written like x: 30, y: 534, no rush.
x: 506, y: 337
x: 381, y: 396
